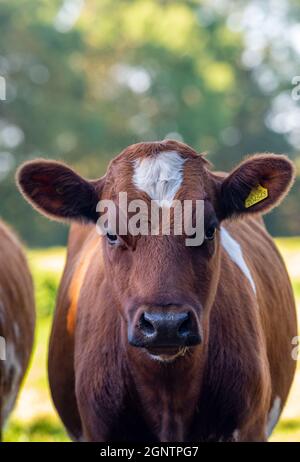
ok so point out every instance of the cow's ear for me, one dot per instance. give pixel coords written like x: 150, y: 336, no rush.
x: 257, y: 185
x: 58, y: 192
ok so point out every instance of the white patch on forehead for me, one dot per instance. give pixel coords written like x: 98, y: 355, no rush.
x: 273, y: 415
x: 160, y: 176
x: 234, y: 250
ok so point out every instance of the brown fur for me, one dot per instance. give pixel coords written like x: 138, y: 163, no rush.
x: 105, y: 389
x: 17, y: 318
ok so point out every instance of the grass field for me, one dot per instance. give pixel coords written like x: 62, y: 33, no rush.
x: 34, y: 418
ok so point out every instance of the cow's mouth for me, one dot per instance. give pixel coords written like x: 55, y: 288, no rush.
x: 167, y: 354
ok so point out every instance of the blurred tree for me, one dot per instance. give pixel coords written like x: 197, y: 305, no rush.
x: 85, y: 79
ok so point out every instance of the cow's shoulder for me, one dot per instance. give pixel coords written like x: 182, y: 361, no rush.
x: 79, y: 235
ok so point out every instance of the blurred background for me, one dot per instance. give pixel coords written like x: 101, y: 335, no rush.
x: 84, y: 79
x: 81, y: 80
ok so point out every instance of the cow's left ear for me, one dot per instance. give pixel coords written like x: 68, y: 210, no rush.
x: 257, y: 185
x: 58, y: 192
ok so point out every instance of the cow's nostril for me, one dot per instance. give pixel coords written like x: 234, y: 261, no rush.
x: 185, y: 326
x: 164, y: 329
x: 146, y: 326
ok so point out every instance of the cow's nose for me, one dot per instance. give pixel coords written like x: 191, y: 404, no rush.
x: 165, y: 329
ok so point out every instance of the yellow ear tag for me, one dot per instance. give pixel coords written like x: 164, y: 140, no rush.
x: 257, y: 194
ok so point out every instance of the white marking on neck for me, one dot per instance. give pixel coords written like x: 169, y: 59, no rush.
x: 236, y: 435
x: 273, y: 415
x: 234, y: 250
x: 160, y: 176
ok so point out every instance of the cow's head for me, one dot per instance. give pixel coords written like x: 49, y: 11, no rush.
x: 163, y: 287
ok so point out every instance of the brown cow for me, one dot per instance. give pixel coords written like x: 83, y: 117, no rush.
x: 154, y: 340
x: 17, y: 319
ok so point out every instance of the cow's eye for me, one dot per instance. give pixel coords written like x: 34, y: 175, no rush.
x: 112, y: 238
x: 210, y: 233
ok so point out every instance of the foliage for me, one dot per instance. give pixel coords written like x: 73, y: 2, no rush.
x: 46, y: 268
x: 84, y: 80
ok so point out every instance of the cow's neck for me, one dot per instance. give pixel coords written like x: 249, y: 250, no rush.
x: 169, y: 393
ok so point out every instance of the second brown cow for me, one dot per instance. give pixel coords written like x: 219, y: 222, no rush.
x: 17, y: 319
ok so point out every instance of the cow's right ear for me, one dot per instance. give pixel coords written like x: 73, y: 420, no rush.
x: 58, y: 192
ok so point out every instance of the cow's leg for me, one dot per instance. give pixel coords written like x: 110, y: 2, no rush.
x: 256, y: 433
x: 108, y: 403
x: 114, y: 425
x: 100, y: 397
x: 61, y: 375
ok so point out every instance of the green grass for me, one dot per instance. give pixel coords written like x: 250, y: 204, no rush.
x: 288, y: 243
x: 296, y: 287
x: 288, y: 430
x: 40, y: 429
x: 35, y: 419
